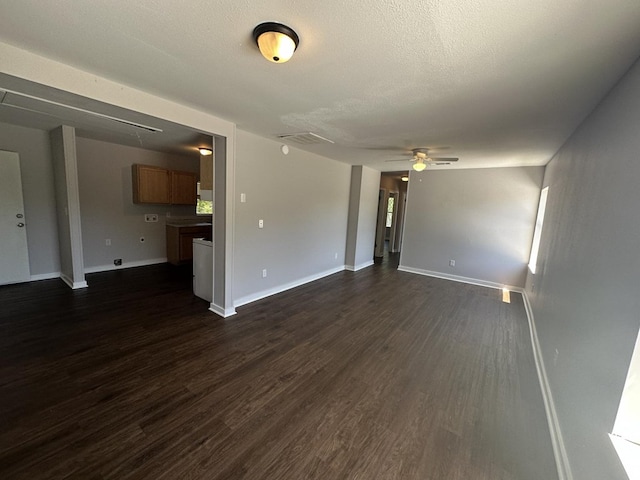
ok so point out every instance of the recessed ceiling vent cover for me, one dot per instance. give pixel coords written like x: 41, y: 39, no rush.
x: 303, y: 138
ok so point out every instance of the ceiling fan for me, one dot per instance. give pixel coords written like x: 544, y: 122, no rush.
x: 421, y: 159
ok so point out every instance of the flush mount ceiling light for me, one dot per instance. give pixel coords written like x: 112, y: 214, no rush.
x: 276, y: 42
x: 205, y: 151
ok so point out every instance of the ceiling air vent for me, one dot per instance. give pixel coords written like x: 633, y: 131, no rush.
x: 303, y: 138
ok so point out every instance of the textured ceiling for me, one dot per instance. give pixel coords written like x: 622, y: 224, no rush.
x: 493, y: 82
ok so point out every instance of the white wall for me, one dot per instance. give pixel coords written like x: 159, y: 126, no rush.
x: 585, y: 295
x: 108, y: 211
x: 363, y: 210
x: 65, y: 175
x: 303, y: 199
x: 481, y: 218
x: 34, y: 149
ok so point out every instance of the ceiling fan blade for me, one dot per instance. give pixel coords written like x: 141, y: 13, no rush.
x: 401, y: 160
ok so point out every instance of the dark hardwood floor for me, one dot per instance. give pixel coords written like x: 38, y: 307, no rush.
x: 377, y: 374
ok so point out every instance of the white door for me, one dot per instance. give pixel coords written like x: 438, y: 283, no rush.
x: 14, y: 256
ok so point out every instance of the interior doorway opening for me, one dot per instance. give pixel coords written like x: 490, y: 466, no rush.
x: 391, y: 207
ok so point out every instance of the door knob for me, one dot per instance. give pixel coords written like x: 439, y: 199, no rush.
x: 21, y: 224
x: 19, y: 215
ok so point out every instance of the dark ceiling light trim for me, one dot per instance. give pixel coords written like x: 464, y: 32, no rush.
x: 276, y: 41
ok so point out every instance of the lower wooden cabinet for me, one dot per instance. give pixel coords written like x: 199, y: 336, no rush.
x: 180, y: 241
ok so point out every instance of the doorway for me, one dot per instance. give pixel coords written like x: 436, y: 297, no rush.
x: 390, y: 221
x: 14, y: 254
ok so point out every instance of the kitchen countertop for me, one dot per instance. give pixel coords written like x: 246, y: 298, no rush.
x: 190, y: 224
x: 202, y: 241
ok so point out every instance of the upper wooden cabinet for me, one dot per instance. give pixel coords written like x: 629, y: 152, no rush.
x: 183, y: 188
x: 151, y: 185
x: 206, y: 172
x: 160, y: 186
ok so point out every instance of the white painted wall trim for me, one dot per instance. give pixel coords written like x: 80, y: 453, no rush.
x: 287, y: 286
x: 457, y: 278
x: 44, y: 276
x: 140, y: 263
x: 360, y: 266
x: 222, y: 312
x: 71, y: 283
x: 557, y: 443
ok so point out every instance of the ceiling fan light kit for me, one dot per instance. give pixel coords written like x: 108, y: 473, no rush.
x: 419, y: 165
x: 276, y: 42
x: 422, y: 159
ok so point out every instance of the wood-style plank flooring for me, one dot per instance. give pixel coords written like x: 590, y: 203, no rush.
x: 377, y: 374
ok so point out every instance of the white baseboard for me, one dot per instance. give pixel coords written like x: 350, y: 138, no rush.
x: 222, y: 312
x: 44, y: 276
x: 71, y: 283
x: 360, y: 266
x: 287, y: 286
x: 458, y: 278
x: 140, y: 263
x: 557, y: 443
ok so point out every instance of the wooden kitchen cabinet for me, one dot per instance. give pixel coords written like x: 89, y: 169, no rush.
x: 160, y: 186
x: 151, y: 185
x: 183, y: 188
x: 180, y: 241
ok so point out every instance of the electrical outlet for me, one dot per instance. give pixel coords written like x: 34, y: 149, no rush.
x: 335, y: 256
x: 264, y: 273
x: 260, y: 223
x: 107, y: 242
x: 452, y: 263
x: 150, y: 217
x: 117, y: 262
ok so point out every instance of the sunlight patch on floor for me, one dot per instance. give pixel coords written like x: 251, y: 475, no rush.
x: 506, y: 295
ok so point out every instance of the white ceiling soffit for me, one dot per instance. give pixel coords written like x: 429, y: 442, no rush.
x: 59, y: 110
x: 492, y: 82
x: 46, y: 108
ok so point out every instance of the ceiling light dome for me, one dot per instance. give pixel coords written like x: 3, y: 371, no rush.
x: 276, y: 42
x: 419, y: 165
